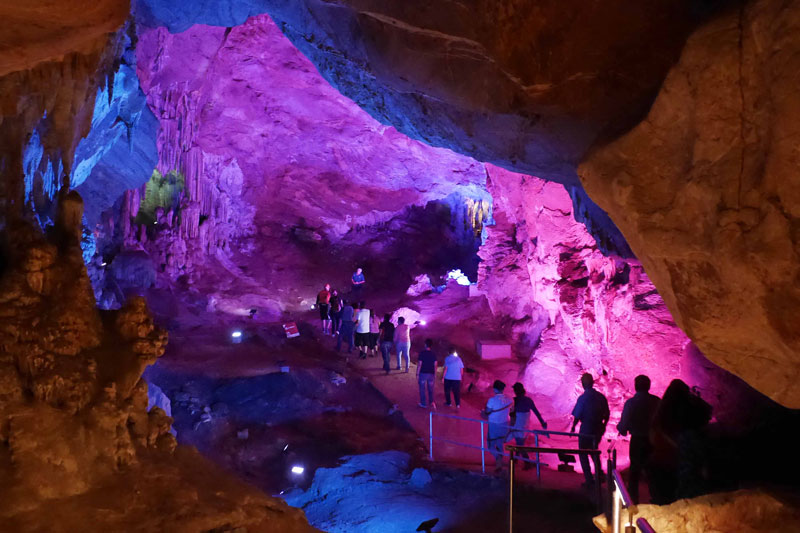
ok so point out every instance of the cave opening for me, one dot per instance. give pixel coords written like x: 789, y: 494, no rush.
x: 180, y: 186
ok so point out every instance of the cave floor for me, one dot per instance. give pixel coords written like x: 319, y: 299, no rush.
x: 226, y: 397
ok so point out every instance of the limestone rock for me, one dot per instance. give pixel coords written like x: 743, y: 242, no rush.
x: 705, y: 191
x: 74, y: 421
x: 743, y: 511
x: 508, y: 82
x: 571, y: 309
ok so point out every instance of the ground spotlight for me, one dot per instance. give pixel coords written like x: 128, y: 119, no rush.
x: 236, y: 336
x: 422, y: 322
x: 297, y: 470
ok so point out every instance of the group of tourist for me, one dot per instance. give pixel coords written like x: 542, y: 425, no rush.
x: 666, y: 434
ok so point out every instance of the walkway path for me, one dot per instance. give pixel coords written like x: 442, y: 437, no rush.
x: 451, y: 319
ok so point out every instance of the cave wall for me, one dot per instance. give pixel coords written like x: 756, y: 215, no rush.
x: 256, y: 143
x: 572, y: 309
x: 535, y: 103
x: 706, y: 191
x: 75, y: 430
x: 703, y: 186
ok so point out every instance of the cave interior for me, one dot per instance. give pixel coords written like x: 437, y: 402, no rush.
x: 522, y: 185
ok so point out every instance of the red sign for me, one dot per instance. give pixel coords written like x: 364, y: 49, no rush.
x: 291, y: 330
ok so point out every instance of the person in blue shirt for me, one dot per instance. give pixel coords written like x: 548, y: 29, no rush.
x: 591, y: 410
x: 637, y: 417
x: 496, y: 412
x: 451, y: 377
x: 358, y: 283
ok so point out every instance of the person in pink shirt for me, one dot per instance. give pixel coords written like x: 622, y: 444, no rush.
x: 402, y: 336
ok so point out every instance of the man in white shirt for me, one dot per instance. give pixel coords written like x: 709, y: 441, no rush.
x: 453, y: 372
x: 362, y: 330
x: 497, y: 410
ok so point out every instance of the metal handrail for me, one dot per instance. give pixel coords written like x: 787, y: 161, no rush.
x: 535, y: 432
x: 621, y: 500
x: 644, y: 525
x: 627, y: 501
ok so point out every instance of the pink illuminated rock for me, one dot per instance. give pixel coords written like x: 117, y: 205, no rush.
x: 260, y: 139
x: 573, y: 310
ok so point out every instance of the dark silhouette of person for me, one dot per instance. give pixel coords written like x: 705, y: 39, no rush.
x: 637, y: 417
x: 679, y: 461
x: 591, y: 410
x: 520, y: 416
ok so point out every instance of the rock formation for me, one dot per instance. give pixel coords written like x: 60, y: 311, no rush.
x: 254, y: 142
x: 74, y: 422
x: 572, y: 309
x: 743, y: 511
x: 518, y: 83
x: 705, y: 189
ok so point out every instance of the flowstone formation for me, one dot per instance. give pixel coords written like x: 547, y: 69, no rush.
x: 256, y: 149
x: 571, y: 309
x: 74, y: 421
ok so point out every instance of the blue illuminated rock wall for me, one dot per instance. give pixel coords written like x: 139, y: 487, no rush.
x: 120, y: 151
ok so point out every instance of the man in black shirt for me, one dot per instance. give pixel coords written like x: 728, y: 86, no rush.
x: 426, y: 375
x: 637, y: 416
x: 386, y: 339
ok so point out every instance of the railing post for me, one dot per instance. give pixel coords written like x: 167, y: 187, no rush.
x: 615, y: 507
x: 483, y: 450
x: 430, y: 433
x: 538, y: 458
x: 598, y: 481
x: 610, y: 468
x: 511, y: 462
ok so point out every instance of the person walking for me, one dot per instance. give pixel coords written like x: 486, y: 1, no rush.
x: 335, y: 312
x: 451, y: 376
x: 496, y: 413
x: 323, y: 304
x: 362, y: 330
x: 679, y: 464
x: 358, y: 281
x: 591, y: 410
x: 520, y: 418
x: 346, y: 328
x: 426, y: 375
x: 386, y: 336
x: 402, y: 337
x: 637, y: 417
x: 374, y: 333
